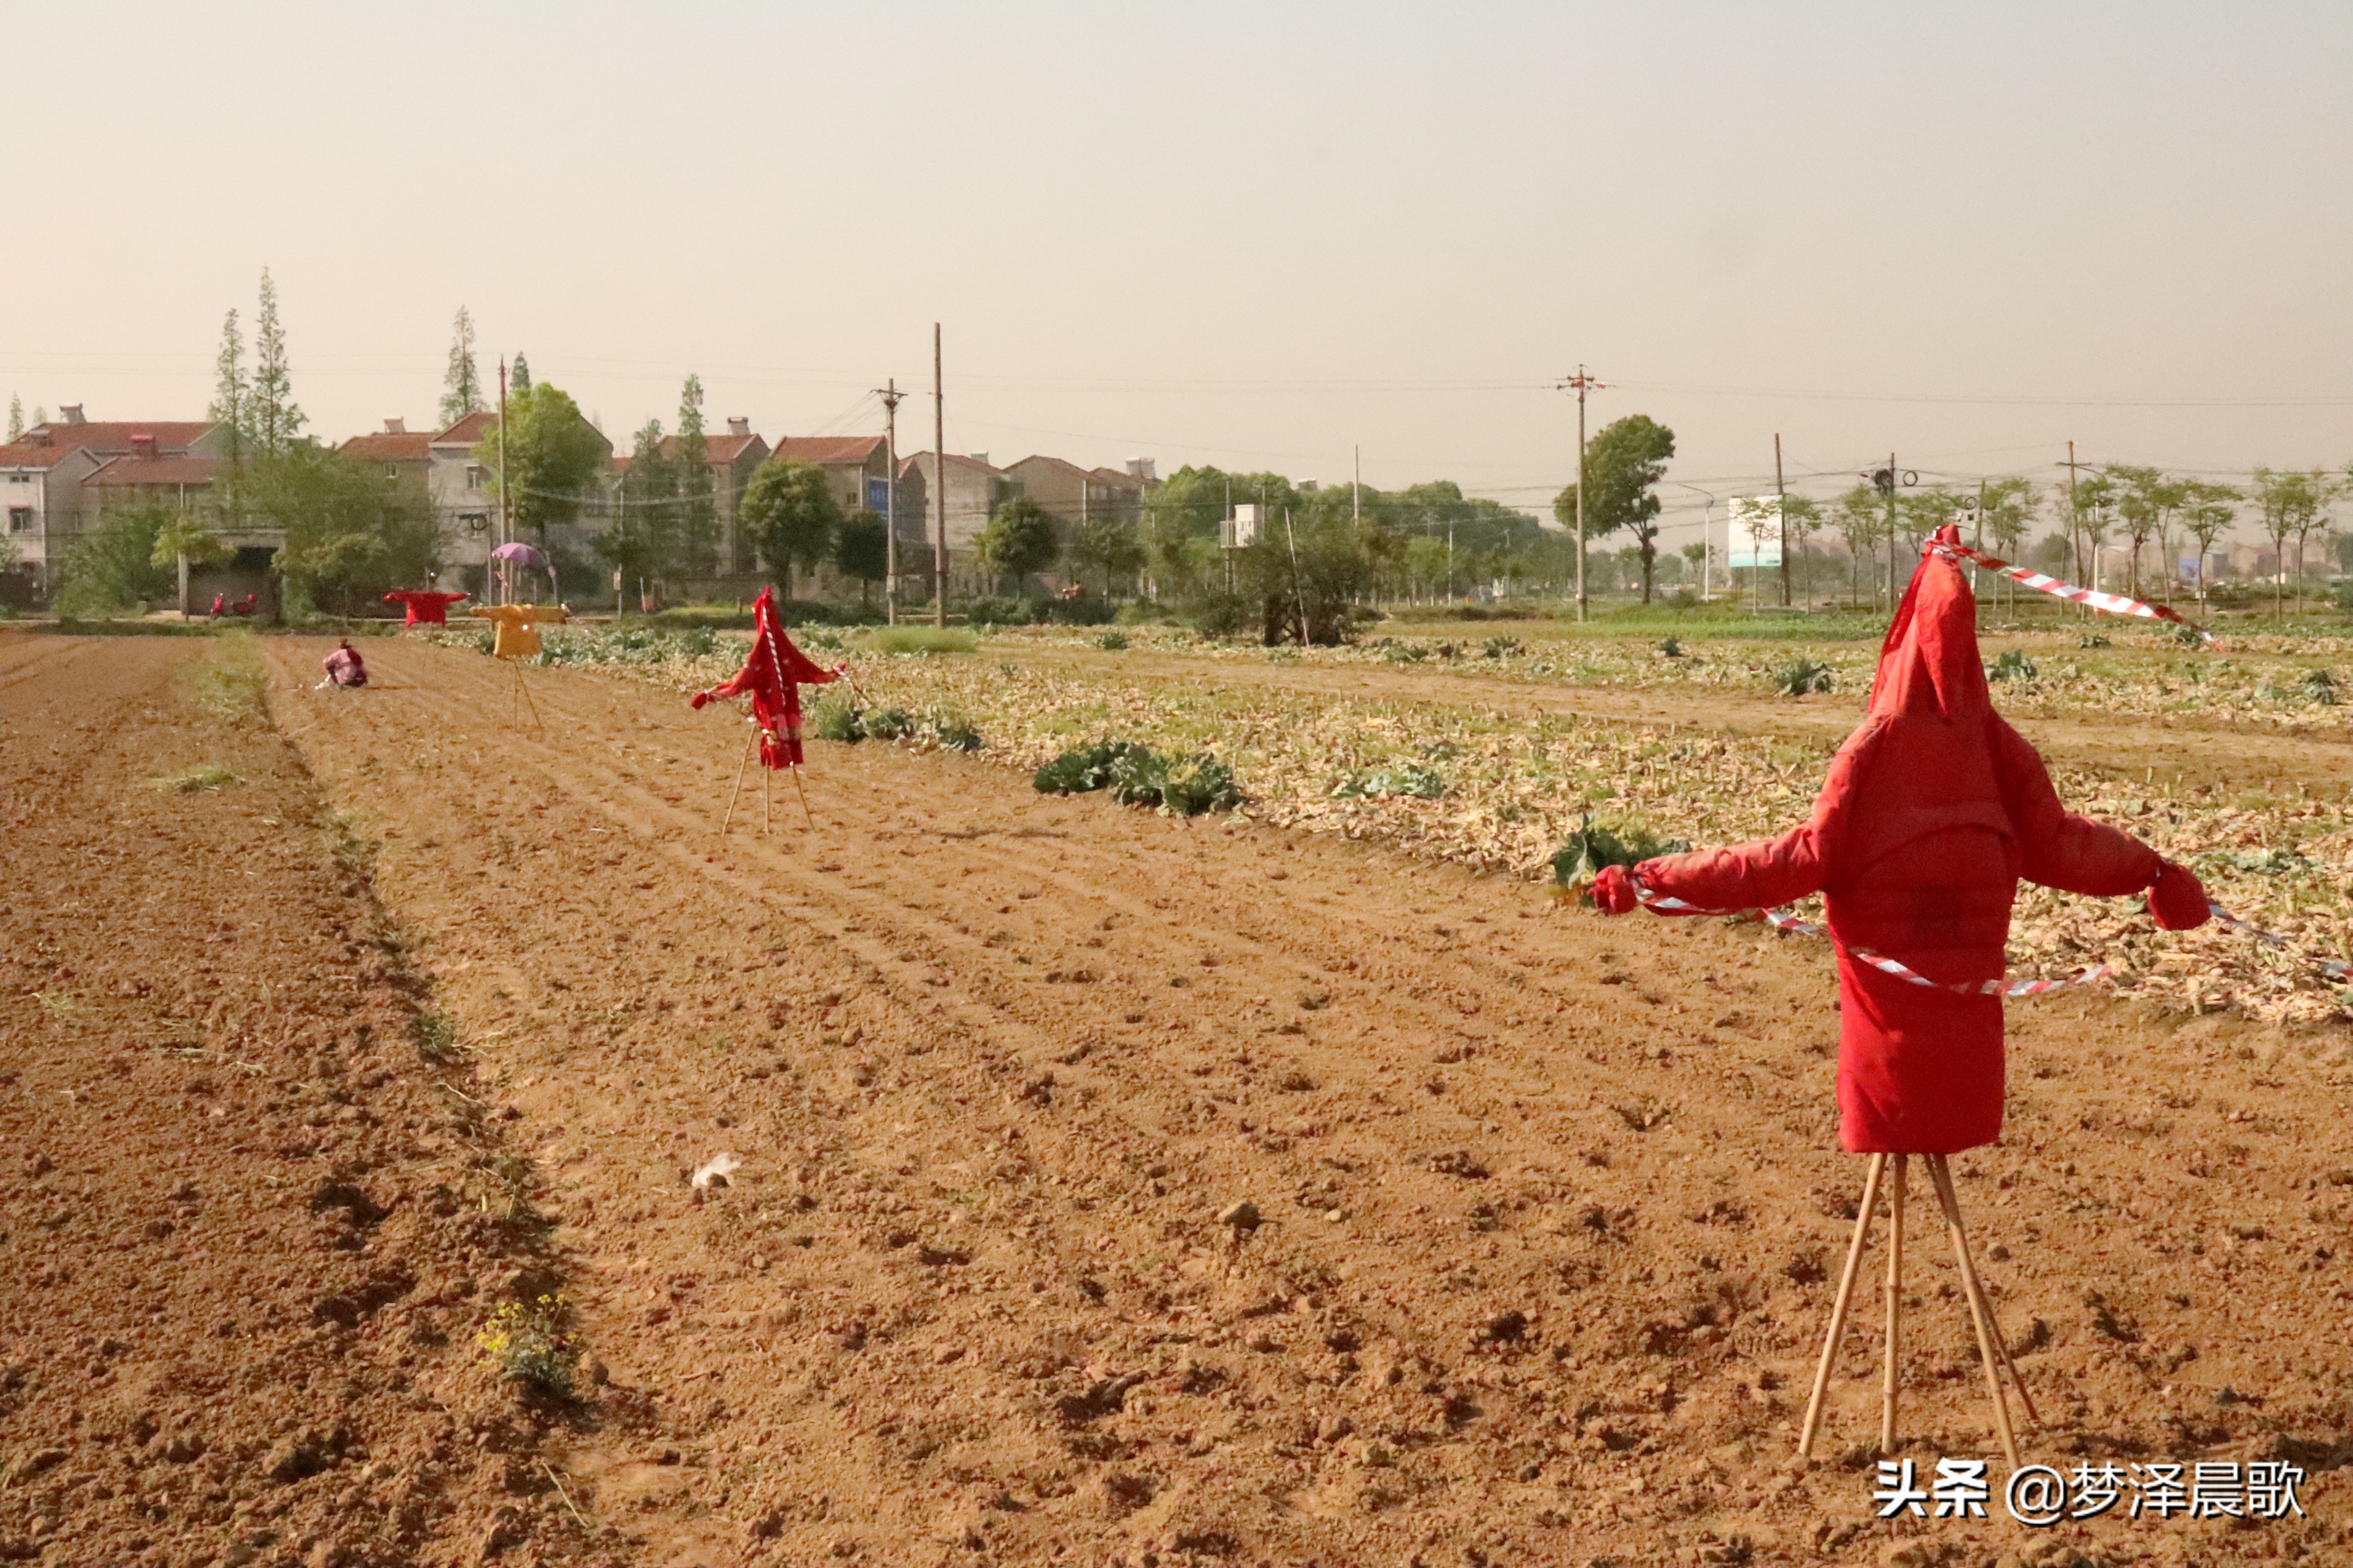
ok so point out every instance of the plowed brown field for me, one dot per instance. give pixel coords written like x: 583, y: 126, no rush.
x: 1550, y: 1208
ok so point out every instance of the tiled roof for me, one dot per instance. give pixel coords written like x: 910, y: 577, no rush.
x: 827, y: 448
x: 113, y: 437
x: 469, y: 431
x: 388, y: 447
x: 155, y: 471
x: 717, y: 450
x: 35, y: 454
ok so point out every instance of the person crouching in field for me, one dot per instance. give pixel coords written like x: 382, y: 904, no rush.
x: 344, y: 668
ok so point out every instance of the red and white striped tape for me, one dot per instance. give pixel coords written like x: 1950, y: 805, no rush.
x: 2333, y: 968
x: 1787, y: 924
x: 2114, y: 604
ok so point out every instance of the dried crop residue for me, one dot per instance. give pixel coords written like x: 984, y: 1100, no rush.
x: 240, y: 1257
x: 1547, y: 1209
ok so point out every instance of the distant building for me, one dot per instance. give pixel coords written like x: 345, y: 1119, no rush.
x: 1073, y: 495
x: 406, y: 455
x: 974, y: 488
x: 51, y: 489
x: 464, y: 496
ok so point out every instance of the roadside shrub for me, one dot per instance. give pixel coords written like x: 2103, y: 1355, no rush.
x: 1590, y: 847
x: 926, y: 640
x: 1086, y: 610
x: 1001, y: 610
x: 1671, y: 647
x: 2321, y: 686
x: 1112, y: 642
x: 1219, y: 615
x: 1081, y: 769
x: 1801, y: 675
x: 1499, y: 647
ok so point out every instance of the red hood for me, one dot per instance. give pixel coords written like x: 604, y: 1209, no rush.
x: 1929, y: 663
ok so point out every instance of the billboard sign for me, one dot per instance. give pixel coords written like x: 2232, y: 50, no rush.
x: 878, y: 494
x: 1755, y: 531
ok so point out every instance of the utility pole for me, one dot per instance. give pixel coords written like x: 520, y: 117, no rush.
x: 939, y: 487
x: 890, y: 394
x: 1781, y: 511
x: 1583, y: 383
x: 1894, y: 479
x: 502, y: 450
x: 2074, y: 517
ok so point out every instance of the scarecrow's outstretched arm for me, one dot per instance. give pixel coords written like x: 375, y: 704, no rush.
x: 2077, y: 855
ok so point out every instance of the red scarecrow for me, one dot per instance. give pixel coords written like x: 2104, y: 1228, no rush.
x: 1932, y: 812
x: 773, y: 673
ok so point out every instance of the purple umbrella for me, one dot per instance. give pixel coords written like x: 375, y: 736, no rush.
x: 521, y: 554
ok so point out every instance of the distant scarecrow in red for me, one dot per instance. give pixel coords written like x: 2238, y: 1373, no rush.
x: 773, y: 674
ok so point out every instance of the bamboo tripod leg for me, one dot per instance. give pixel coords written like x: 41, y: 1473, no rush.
x: 1989, y: 1328
x: 1837, y: 1332
x: 750, y: 741
x: 767, y: 799
x: 1894, y: 1308
x: 804, y: 805
x: 524, y: 687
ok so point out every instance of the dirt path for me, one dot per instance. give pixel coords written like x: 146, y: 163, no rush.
x: 241, y: 1256
x: 1546, y: 1202
x: 2199, y: 750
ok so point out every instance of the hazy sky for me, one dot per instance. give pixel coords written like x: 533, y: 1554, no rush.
x: 1255, y: 233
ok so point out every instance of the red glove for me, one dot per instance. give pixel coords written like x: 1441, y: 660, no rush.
x: 698, y: 699
x: 1613, y: 890
x: 2178, y: 902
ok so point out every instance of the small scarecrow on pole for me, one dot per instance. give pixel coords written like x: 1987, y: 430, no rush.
x: 1933, y: 812
x: 516, y: 638
x: 773, y: 674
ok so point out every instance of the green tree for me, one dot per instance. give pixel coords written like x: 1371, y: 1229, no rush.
x: 1019, y: 539
x: 345, y: 527
x: 1107, y: 545
x: 2090, y: 508
x: 461, y: 383
x: 2006, y: 512
x: 15, y: 416
x: 1801, y: 518
x: 2292, y: 504
x: 2146, y: 501
x: 640, y: 544
x: 789, y: 511
x: 232, y: 403
x: 1860, y: 515
x: 188, y: 541
x: 275, y: 421
x: 520, y: 381
x: 112, y: 568
x: 2208, y: 511
x: 552, y: 457
x: 698, y: 512
x: 1307, y: 577
x: 862, y: 550
x: 1622, y: 463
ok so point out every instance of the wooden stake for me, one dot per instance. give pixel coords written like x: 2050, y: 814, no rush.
x: 750, y: 741
x: 524, y: 687
x: 805, y: 805
x: 1837, y: 1333
x: 768, y: 797
x: 1995, y: 1354
x: 1894, y: 1308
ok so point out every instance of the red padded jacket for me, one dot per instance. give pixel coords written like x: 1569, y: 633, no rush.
x: 774, y: 673
x: 1932, y: 812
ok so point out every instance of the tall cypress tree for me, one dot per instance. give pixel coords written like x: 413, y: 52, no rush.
x: 15, y: 416
x: 462, y: 387
x: 232, y: 394
x: 698, y: 514
x: 276, y: 421
x: 521, y: 381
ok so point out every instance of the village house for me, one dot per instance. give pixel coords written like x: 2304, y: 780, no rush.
x: 975, y: 489
x: 62, y: 473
